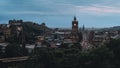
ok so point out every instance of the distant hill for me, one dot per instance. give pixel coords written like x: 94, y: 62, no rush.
x: 115, y: 28
x: 33, y: 29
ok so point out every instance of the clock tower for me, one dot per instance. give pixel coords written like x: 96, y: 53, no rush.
x: 74, y: 25
x: 75, y: 32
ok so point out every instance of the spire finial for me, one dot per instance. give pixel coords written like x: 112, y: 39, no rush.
x: 75, y: 18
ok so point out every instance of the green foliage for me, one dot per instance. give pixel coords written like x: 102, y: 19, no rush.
x: 114, y: 46
x: 50, y: 58
x: 77, y: 46
x: 14, y: 50
x: 106, y: 56
x: 101, y: 58
x: 1, y: 52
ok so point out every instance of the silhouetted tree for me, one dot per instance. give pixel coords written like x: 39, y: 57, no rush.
x: 14, y: 50
x: 80, y: 36
x: 1, y: 52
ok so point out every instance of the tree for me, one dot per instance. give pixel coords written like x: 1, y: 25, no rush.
x: 13, y: 50
x: 101, y: 57
x: 77, y: 46
x: 73, y: 57
x: 80, y: 36
x: 114, y: 45
x: 1, y: 52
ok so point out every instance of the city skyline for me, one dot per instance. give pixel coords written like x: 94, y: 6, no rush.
x: 98, y: 14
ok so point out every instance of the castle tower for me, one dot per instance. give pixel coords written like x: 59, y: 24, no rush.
x: 75, y: 32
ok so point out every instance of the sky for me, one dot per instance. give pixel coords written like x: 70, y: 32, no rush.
x: 60, y: 13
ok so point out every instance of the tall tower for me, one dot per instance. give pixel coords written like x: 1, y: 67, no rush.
x: 75, y: 37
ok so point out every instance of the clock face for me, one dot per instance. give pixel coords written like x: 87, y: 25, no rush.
x: 75, y: 25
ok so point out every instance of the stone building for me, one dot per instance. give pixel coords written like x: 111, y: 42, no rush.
x: 5, y: 32
x: 75, y: 31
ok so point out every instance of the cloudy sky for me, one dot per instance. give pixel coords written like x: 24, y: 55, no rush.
x: 60, y: 13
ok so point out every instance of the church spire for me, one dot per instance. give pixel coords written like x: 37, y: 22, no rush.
x: 74, y: 18
x: 83, y: 28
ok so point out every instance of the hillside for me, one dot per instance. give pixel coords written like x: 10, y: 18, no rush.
x: 30, y: 31
x: 32, y: 28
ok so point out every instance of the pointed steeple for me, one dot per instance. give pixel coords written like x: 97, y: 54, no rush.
x: 74, y: 18
x: 83, y: 28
